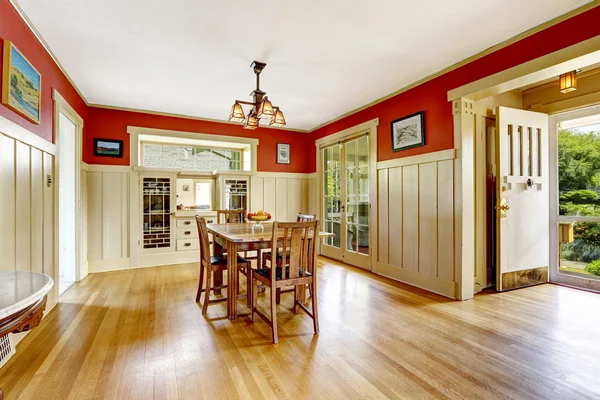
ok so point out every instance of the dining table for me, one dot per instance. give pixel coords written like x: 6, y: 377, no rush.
x: 242, y: 237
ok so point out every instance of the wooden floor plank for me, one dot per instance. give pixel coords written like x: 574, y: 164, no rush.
x: 139, y: 334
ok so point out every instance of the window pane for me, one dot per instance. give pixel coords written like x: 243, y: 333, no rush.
x: 204, y: 195
x: 581, y: 257
x: 190, y: 157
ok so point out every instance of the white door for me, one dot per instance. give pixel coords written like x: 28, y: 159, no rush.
x: 345, y: 201
x: 522, y: 206
x: 66, y: 163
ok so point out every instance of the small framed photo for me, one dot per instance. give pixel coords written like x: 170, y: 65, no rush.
x: 108, y: 148
x: 283, y: 153
x: 408, y: 132
x: 186, y: 188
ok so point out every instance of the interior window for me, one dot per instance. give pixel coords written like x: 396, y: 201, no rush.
x: 204, y: 195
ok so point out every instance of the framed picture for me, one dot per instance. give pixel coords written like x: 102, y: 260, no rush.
x: 21, y: 84
x: 283, y: 153
x: 186, y: 188
x: 408, y: 132
x: 108, y: 148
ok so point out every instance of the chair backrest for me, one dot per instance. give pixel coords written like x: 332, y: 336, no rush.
x: 203, y: 237
x: 305, y: 217
x: 231, y: 216
x: 300, y: 239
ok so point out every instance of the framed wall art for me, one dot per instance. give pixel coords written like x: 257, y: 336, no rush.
x: 283, y: 153
x: 21, y: 84
x: 408, y: 132
x: 108, y: 148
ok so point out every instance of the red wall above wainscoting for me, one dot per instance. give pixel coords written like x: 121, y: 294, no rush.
x: 13, y: 28
x: 432, y: 95
x: 112, y: 124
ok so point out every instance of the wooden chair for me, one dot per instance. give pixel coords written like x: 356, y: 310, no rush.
x: 236, y: 217
x: 300, y: 239
x: 267, y: 256
x: 216, y: 264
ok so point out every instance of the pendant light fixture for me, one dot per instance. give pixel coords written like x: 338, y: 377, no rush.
x: 567, y: 82
x: 261, y: 106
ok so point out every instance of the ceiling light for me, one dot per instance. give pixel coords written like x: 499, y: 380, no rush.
x: 261, y: 106
x: 278, y: 120
x: 265, y: 109
x: 237, y: 113
x: 568, y: 82
x: 251, y: 122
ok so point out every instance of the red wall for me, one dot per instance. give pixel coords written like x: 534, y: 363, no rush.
x: 112, y: 124
x: 13, y: 28
x: 432, y: 95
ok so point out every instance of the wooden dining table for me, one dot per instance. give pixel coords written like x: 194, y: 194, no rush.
x: 234, y: 238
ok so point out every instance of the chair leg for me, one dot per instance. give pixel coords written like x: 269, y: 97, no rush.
x: 295, y: 308
x: 207, y: 291
x: 315, y: 312
x: 278, y: 295
x: 274, y: 316
x: 254, y: 294
x: 264, y: 261
x: 200, y: 283
x: 249, y: 285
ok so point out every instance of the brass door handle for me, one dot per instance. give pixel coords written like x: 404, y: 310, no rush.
x: 503, y: 207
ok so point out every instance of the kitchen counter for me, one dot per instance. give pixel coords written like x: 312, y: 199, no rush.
x: 193, y: 213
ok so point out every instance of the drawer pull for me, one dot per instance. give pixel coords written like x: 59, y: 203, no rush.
x: 188, y: 232
x: 187, y: 223
x: 187, y: 244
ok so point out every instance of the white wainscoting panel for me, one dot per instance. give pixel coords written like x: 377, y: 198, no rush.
x: 283, y: 195
x: 26, y: 206
x: 108, y: 210
x: 416, y: 221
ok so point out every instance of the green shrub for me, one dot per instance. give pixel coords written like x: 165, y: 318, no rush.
x: 593, y: 267
x: 580, y: 197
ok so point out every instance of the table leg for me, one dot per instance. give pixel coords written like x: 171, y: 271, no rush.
x: 218, y: 276
x: 232, y: 280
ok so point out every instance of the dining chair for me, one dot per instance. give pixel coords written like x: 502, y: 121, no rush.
x: 237, y: 217
x: 212, y: 264
x: 266, y: 256
x: 298, y: 240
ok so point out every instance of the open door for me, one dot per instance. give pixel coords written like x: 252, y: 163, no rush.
x: 522, y: 206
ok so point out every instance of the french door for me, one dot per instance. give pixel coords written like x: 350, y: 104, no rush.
x: 345, y: 201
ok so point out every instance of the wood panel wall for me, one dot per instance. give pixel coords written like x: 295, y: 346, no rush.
x: 27, y: 209
x: 416, y: 221
x: 108, y: 209
x: 280, y: 195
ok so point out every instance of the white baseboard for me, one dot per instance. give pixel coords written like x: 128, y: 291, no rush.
x: 116, y: 264
x: 429, y: 283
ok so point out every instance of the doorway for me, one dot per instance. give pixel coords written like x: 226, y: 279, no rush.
x: 345, y: 200
x: 66, y: 162
x: 575, y: 243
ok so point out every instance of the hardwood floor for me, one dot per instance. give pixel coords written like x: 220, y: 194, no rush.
x: 139, y: 335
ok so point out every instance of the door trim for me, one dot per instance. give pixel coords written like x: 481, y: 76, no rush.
x: 555, y: 275
x: 62, y: 106
x: 369, y: 127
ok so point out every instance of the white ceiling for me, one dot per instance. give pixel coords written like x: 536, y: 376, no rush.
x: 325, y: 57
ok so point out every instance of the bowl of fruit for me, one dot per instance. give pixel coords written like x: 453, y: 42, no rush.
x: 258, y: 218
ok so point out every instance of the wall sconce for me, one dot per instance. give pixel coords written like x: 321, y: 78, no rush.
x: 568, y: 82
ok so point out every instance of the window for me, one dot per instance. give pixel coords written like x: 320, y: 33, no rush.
x: 191, y: 158
x: 204, y: 195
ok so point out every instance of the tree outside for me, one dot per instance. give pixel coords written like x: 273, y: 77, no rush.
x: 579, y: 189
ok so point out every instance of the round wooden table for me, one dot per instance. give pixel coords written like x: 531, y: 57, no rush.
x: 23, y: 296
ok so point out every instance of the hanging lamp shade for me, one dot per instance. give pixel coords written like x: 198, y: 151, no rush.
x: 265, y: 109
x: 237, y: 113
x: 278, y: 120
x: 251, y: 122
x: 568, y: 82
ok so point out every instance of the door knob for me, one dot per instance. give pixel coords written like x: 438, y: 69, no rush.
x: 503, y: 207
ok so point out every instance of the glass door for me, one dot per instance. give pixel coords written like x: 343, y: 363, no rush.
x: 156, y: 202
x: 346, y: 208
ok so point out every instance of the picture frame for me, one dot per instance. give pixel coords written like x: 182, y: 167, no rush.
x: 21, y: 84
x: 108, y: 148
x: 283, y: 153
x: 408, y: 132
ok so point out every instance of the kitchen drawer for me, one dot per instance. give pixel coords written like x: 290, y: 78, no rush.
x: 187, y: 233
x: 183, y: 223
x: 187, y: 244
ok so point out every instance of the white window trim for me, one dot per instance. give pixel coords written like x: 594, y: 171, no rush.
x: 135, y: 151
